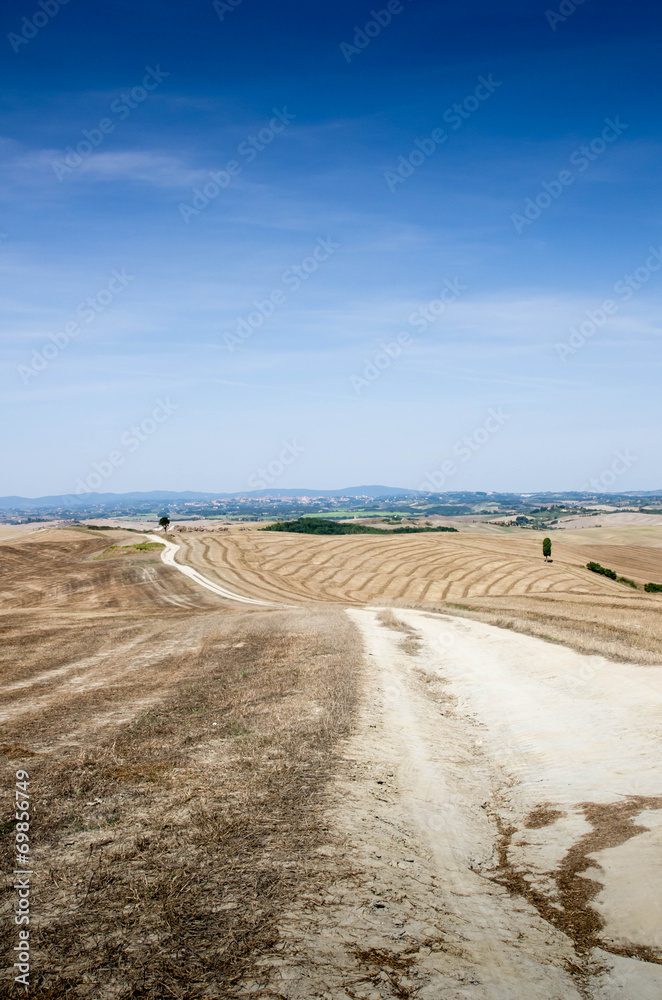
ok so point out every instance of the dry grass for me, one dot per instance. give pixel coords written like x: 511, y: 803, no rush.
x: 176, y: 807
x: 61, y: 569
x: 411, y: 643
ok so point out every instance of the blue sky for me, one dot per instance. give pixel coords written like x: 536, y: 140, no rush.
x: 356, y: 206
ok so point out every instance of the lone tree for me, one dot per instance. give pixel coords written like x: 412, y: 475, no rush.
x: 164, y: 522
x: 547, y: 548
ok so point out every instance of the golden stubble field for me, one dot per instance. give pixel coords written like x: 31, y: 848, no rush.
x: 502, y: 579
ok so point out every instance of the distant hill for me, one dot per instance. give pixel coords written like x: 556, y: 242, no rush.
x: 351, y: 491
x: 69, y: 500
x: 448, y: 504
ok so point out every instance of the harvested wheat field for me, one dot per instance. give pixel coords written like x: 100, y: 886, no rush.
x: 267, y: 765
x: 502, y: 579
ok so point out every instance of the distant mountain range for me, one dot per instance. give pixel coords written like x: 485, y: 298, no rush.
x: 71, y: 501
x: 87, y: 499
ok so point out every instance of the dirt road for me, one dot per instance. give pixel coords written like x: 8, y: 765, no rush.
x: 168, y: 557
x: 501, y: 810
x: 500, y: 815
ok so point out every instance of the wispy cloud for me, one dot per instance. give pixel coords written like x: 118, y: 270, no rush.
x: 152, y: 167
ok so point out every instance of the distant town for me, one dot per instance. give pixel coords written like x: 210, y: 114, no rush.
x: 526, y: 510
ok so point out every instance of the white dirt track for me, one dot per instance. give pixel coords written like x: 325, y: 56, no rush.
x: 499, y: 813
x: 498, y: 820
x: 168, y: 557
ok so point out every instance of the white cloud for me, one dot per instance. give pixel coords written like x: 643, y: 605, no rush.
x: 152, y: 168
